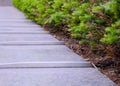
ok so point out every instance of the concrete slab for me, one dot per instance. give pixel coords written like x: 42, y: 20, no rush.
x: 8, y: 22
x: 10, y: 12
x: 37, y: 53
x: 53, y: 77
x: 26, y: 37
x: 5, y: 2
x: 24, y: 32
x: 15, y: 20
x: 19, y: 24
x: 21, y: 28
x: 12, y: 23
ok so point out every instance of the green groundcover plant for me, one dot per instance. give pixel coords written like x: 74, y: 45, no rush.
x: 91, y: 21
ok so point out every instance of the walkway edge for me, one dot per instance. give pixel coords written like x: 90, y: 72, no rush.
x: 57, y: 64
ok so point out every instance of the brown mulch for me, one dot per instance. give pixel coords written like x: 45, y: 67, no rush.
x: 108, y: 66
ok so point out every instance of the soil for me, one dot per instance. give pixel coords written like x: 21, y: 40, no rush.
x: 108, y: 66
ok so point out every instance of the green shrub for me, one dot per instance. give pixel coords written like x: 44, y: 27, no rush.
x: 92, y: 21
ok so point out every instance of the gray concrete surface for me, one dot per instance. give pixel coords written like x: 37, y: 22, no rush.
x: 5, y: 2
x: 53, y: 77
x: 37, y: 53
x: 23, y: 32
x: 10, y: 23
x: 28, y: 59
x: 9, y: 12
x: 15, y: 20
x: 20, y: 28
x: 26, y: 37
x: 17, y: 23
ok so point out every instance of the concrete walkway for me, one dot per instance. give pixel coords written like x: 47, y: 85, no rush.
x: 30, y: 56
x: 5, y: 2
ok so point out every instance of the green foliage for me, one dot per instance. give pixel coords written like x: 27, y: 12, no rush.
x: 113, y: 33
x: 112, y: 10
x: 80, y: 17
x: 92, y: 21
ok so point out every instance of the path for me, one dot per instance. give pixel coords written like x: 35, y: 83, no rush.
x: 30, y: 56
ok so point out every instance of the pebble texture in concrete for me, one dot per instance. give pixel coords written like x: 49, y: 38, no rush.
x: 28, y: 58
